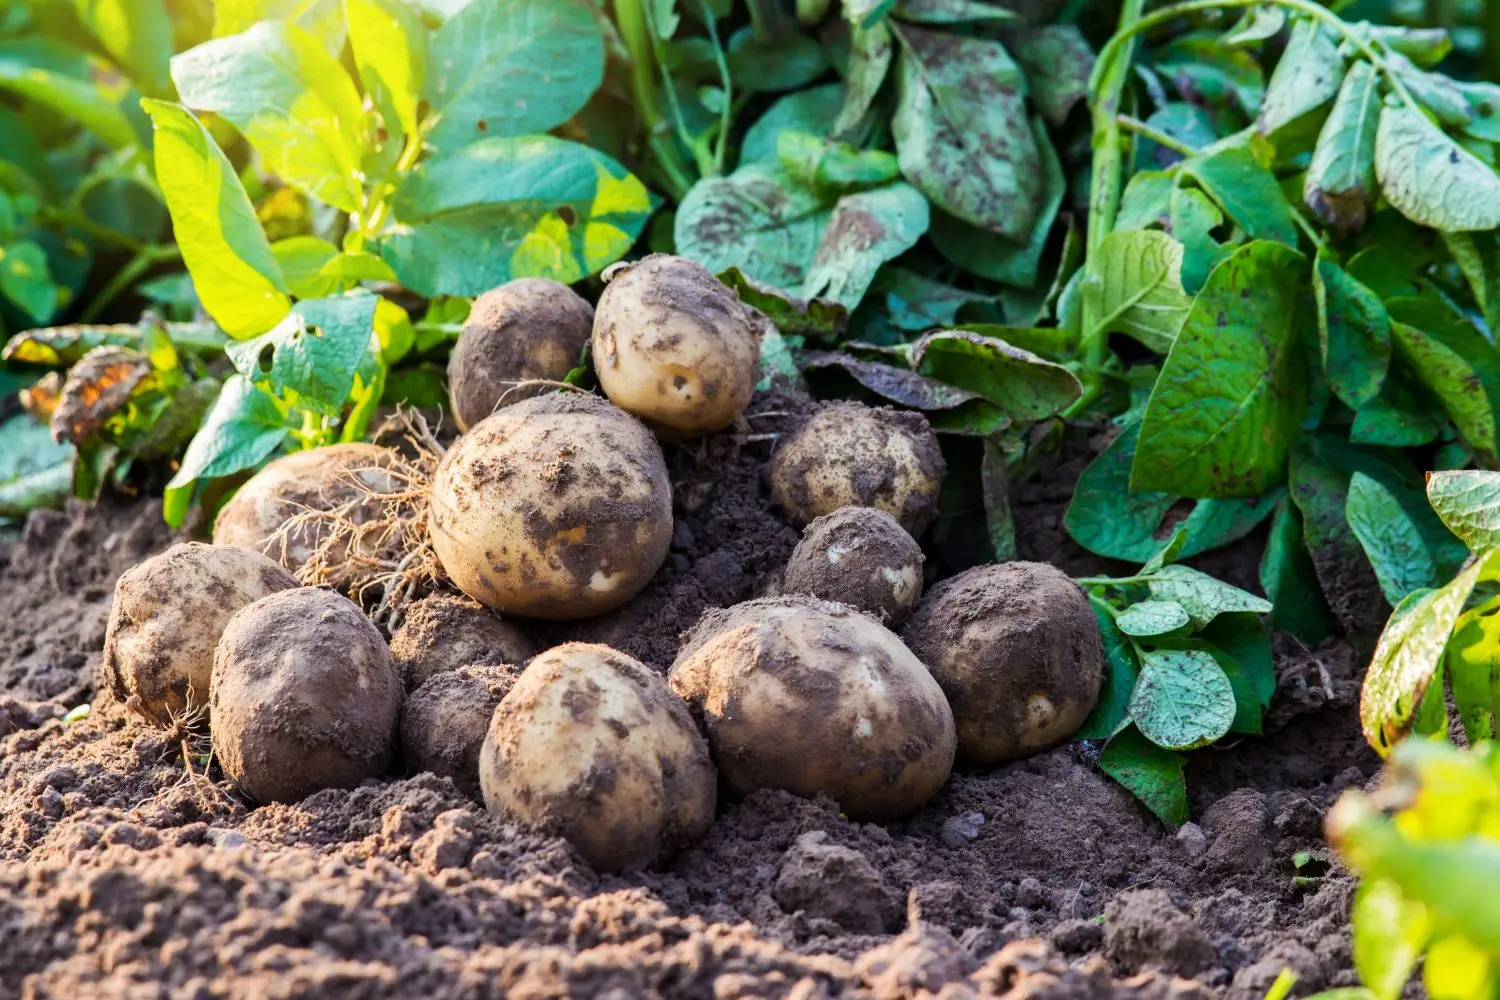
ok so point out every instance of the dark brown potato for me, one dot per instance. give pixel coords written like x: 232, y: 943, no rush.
x: 530, y: 328
x: 168, y: 615
x: 444, y: 722
x: 304, y: 696
x: 1017, y: 650
x: 861, y: 557
x: 814, y: 697
x: 852, y: 455
x: 442, y: 632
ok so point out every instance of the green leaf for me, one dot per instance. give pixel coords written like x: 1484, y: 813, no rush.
x: 1151, y: 774
x: 1187, y: 123
x: 869, y: 63
x: 290, y: 99
x: 1474, y: 255
x: 1020, y: 383
x: 1397, y: 418
x: 1472, y: 664
x: 1183, y: 700
x: 26, y: 279
x: 244, y: 428
x: 786, y: 62
x: 222, y: 243
x: 1206, y: 72
x: 1247, y: 191
x: 1203, y: 596
x: 813, y: 111
x: 1239, y: 639
x: 950, y: 11
x: 323, y: 18
x: 867, y: 13
x: 1306, y: 77
x: 389, y: 43
x: 1354, y: 333
x: 864, y: 231
x: 1340, y: 183
x: 1389, y: 936
x: 505, y: 208
x: 1223, y: 414
x: 1139, y: 284
x: 833, y: 168
x: 1469, y: 504
x: 314, y: 352
x: 1453, y: 381
x: 1433, y: 91
x: 1147, y: 200
x: 510, y: 68
x: 1257, y: 24
x: 1194, y: 218
x: 916, y: 304
x: 137, y: 34
x: 1396, y: 550
x: 1058, y: 62
x: 1290, y: 580
x: 1431, y: 179
x: 962, y: 132
x: 1111, y: 713
x: 793, y: 316
x: 755, y: 220
x: 1424, y: 46
x: 314, y: 268
x: 1484, y: 109
x: 53, y: 76
x: 1152, y: 618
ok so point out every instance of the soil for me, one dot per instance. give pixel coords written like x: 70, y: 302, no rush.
x: 129, y: 869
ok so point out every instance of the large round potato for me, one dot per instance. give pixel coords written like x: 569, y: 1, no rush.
x: 674, y: 346
x: 530, y: 328
x: 861, y: 557
x: 557, y: 507
x: 814, y: 697
x: 168, y: 615
x: 304, y: 696
x: 594, y: 747
x: 1017, y: 650
x: 441, y: 633
x: 852, y: 455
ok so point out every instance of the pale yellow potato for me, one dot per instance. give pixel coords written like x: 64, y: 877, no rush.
x: 814, y: 697
x: 558, y: 507
x: 674, y: 346
x: 861, y: 557
x: 591, y: 746
x: 168, y: 615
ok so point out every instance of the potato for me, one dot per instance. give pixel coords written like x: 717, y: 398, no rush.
x: 674, y: 346
x: 304, y: 696
x: 814, y: 697
x: 851, y: 455
x: 444, y: 722
x: 322, y: 479
x: 1017, y: 650
x: 530, y: 328
x: 557, y: 507
x: 592, y: 746
x: 861, y: 557
x: 168, y: 614
x: 441, y: 633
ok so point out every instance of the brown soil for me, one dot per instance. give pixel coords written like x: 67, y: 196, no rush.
x: 125, y: 871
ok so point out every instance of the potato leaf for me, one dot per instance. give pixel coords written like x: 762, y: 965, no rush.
x: 870, y: 57
x: 137, y: 34
x: 1058, y: 62
x: 1183, y: 699
x: 755, y: 219
x: 1340, y: 181
x: 774, y: 64
x: 1431, y: 179
x: 1257, y: 24
x: 1472, y: 666
x: 1147, y: 200
x: 1484, y: 109
x: 1203, y: 596
x: 1389, y: 936
x: 314, y: 352
x: 1150, y: 773
x: 389, y: 43
x: 245, y: 427
x: 1469, y: 504
x: 1247, y: 191
x: 26, y: 279
x: 1290, y: 580
x: 832, y: 168
x: 792, y: 315
x: 323, y: 18
x: 813, y: 111
x: 1020, y: 383
x: 1305, y: 79
x: 1139, y: 285
x: 1194, y: 218
x: 314, y: 268
x: 1454, y: 382
x: 1111, y: 712
x: 1206, y: 72
x: 56, y: 77
x: 1146, y: 619
x: 864, y: 231
x: 1354, y: 333
x: 1397, y: 417
x: 1390, y: 539
x: 951, y: 11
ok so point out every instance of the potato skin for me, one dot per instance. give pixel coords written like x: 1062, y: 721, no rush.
x: 592, y: 746
x: 305, y: 696
x: 441, y: 633
x: 814, y: 697
x: 444, y: 722
x: 861, y: 557
x: 674, y: 346
x: 319, y: 479
x: 530, y: 328
x: 558, y: 507
x: 852, y: 455
x: 168, y: 615
x: 1017, y: 650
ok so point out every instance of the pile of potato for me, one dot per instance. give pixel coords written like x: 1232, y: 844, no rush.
x: 555, y: 505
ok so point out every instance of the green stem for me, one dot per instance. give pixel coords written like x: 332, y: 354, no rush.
x: 144, y: 259
x: 726, y: 121
x: 78, y: 220
x: 1109, y: 581
x: 632, y: 17
x: 378, y: 206
x: 1132, y: 124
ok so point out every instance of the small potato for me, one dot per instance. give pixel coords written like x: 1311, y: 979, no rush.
x: 304, y: 696
x: 814, y: 697
x: 852, y: 455
x: 674, y: 346
x: 441, y: 633
x: 592, y: 746
x: 168, y: 615
x: 861, y: 557
x: 530, y: 328
x: 1017, y: 650
x: 444, y: 722
x: 557, y: 507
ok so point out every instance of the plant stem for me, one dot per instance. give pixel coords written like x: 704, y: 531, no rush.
x: 631, y: 16
x: 144, y: 259
x: 1132, y: 124
x: 726, y: 120
x: 378, y: 206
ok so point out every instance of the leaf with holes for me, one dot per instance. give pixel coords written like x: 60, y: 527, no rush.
x: 1247, y: 191
x: 314, y: 352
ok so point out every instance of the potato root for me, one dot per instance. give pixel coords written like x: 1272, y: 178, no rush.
x: 441, y: 633
x: 861, y: 557
x: 444, y: 722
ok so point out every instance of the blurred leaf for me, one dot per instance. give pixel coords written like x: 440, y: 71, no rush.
x: 869, y: 64
x: 1425, y: 46
x: 916, y: 304
x: 1257, y: 24
x: 26, y: 280
x: 137, y: 34
x: 1472, y: 665
x: 56, y: 77
x: 1431, y: 179
x: 774, y: 65
x: 813, y: 111
x: 314, y: 268
x: 1389, y: 935
x: 1150, y: 773
x: 1354, y: 333
x: 832, y: 168
x: 323, y: 18
x: 1397, y: 418
x: 1203, y: 69
x: 1340, y: 181
x: 1187, y: 123
x: 951, y: 11
x: 1484, y: 109
x: 389, y: 43
x: 999, y: 522
x: 1058, y: 62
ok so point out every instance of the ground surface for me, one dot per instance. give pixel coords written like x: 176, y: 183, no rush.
x: 122, y: 874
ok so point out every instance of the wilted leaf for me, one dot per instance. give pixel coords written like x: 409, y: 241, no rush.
x: 1340, y: 181
x: 792, y: 315
x: 864, y: 231
x: 898, y: 385
x: 1020, y: 383
x: 97, y: 388
x: 869, y: 63
x: 1431, y: 179
x: 1058, y: 62
x: 1354, y: 333
x: 1139, y: 285
x: 1306, y: 78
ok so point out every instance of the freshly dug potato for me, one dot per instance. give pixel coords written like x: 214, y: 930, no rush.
x: 168, y: 615
x: 1017, y: 650
x: 811, y: 696
x: 861, y: 557
x: 592, y: 746
x: 852, y: 455
x: 674, y: 346
x: 530, y: 328
x: 304, y: 696
x: 444, y: 722
x: 323, y: 479
x: 557, y: 507
x: 442, y: 633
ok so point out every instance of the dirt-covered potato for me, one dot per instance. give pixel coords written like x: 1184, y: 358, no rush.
x: 811, y: 696
x: 1017, y: 650
x: 304, y: 696
x: 674, y: 346
x: 557, y: 507
x: 852, y: 455
x: 530, y: 328
x: 442, y: 632
x: 444, y: 722
x: 168, y: 615
x: 861, y: 557
x: 592, y: 746
x: 338, y: 477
